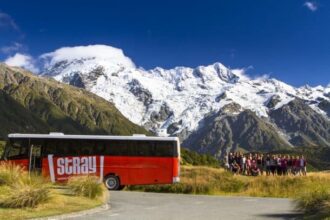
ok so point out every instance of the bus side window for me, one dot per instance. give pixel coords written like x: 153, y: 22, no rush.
x: 86, y: 147
x: 165, y: 149
x: 118, y: 148
x: 64, y: 148
x: 18, y: 150
x: 37, y: 146
x: 100, y: 148
x: 49, y: 148
x: 145, y: 148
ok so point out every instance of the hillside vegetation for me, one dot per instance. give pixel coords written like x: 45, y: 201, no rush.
x: 189, y: 157
x: 33, y: 104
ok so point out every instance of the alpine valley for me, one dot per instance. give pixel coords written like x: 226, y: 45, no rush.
x: 213, y: 109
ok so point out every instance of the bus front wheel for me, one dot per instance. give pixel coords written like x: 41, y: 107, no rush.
x: 112, y: 182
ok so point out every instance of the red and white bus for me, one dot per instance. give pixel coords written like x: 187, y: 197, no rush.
x: 117, y: 160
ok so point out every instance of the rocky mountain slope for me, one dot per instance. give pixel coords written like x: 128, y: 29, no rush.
x: 212, y: 108
x: 29, y: 103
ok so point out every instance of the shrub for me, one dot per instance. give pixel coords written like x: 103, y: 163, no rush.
x: 315, y: 203
x: 25, y: 196
x: 19, y: 189
x: 87, y: 186
x: 10, y: 173
x: 2, y: 147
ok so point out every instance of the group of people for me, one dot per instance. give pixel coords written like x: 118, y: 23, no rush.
x: 260, y: 164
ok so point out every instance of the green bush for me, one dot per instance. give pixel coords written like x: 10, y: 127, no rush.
x: 87, y: 186
x: 315, y: 204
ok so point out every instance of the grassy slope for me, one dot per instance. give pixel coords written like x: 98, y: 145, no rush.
x: 34, y: 104
x: 215, y: 181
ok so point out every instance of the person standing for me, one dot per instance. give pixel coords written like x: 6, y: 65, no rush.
x: 273, y: 165
x: 284, y: 165
x: 226, y: 161
x: 259, y: 163
x: 267, y: 161
x: 289, y: 171
x: 279, y: 165
x: 302, y: 164
x: 248, y: 165
x: 294, y: 169
x: 230, y: 161
x: 239, y: 159
x: 297, y: 166
x: 243, y: 164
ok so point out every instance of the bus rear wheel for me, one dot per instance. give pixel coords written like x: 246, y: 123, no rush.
x: 112, y: 182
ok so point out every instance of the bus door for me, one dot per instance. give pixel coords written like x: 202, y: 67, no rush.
x: 35, y: 162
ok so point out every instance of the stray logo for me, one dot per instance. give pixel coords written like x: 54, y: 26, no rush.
x: 76, y: 165
x: 60, y: 168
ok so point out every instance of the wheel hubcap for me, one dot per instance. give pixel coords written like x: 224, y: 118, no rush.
x: 111, y: 183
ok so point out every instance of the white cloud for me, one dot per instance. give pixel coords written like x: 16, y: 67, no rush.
x: 22, y: 60
x: 12, y: 48
x: 7, y: 21
x: 311, y: 5
x: 262, y: 77
x: 242, y: 72
x: 104, y: 52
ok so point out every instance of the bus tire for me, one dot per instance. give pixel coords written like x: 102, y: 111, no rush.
x: 112, y: 182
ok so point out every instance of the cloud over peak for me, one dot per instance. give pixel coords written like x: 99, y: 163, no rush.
x: 104, y: 52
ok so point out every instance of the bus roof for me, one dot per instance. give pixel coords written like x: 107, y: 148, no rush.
x: 92, y: 137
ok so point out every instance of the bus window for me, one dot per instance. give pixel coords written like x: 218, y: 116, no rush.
x: 164, y: 149
x: 64, y: 148
x: 120, y: 148
x: 49, y: 147
x: 17, y: 149
x: 100, y: 148
x: 86, y: 147
x: 144, y: 148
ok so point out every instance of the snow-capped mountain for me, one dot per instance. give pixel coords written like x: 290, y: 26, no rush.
x: 173, y: 101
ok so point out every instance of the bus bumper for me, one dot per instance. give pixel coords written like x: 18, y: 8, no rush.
x: 176, y: 179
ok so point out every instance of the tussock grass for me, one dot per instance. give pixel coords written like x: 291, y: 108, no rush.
x: 87, y: 186
x: 199, y: 180
x: 10, y: 173
x: 19, y: 189
x: 315, y: 204
x: 217, y: 181
x: 25, y: 196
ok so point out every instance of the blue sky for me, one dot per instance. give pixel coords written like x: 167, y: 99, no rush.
x: 288, y: 40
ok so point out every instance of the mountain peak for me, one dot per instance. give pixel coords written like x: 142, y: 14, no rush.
x: 90, y: 55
